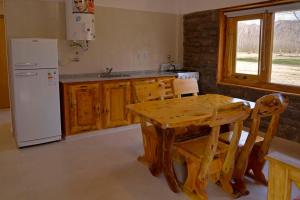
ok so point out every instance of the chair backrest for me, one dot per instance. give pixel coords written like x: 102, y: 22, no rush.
x: 234, y: 114
x: 185, y: 86
x: 230, y: 113
x: 271, y: 105
x: 149, y: 92
x: 168, y: 82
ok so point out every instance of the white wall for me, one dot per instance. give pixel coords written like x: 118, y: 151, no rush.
x: 170, y: 6
x: 165, y: 6
x: 126, y: 39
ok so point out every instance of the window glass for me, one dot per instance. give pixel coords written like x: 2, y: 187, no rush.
x: 286, y: 48
x: 248, y: 43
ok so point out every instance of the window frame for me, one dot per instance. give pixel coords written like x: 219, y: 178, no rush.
x: 228, y: 43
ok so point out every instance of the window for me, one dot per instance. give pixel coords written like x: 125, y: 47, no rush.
x: 286, y: 48
x: 260, y: 47
x: 248, y: 41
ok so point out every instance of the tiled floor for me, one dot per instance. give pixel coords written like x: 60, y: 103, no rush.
x: 101, y: 165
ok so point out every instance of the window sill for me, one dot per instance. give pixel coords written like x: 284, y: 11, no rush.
x: 268, y: 87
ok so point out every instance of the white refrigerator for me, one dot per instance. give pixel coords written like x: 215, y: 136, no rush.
x: 35, y: 91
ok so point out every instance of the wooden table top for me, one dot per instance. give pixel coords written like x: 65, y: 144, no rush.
x: 187, y: 111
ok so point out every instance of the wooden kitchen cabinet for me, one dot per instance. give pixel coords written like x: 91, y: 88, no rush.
x: 117, y: 94
x: 83, y: 111
x: 95, y: 105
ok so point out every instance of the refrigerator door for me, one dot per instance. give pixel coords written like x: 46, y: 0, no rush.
x: 36, y: 106
x: 34, y: 53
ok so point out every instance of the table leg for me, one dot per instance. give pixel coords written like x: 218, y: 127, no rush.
x: 168, y: 140
x: 152, y: 142
x: 156, y: 167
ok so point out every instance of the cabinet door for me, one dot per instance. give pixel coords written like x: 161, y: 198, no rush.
x: 85, y: 107
x: 117, y: 96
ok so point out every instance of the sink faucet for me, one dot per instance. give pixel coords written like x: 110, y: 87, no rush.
x: 108, y: 70
x: 172, y: 67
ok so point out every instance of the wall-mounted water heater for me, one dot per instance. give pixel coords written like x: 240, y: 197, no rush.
x: 80, y: 20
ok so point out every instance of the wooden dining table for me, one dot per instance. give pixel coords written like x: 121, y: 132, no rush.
x: 171, y: 114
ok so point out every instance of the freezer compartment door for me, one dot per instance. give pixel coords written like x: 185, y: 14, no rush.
x: 36, y: 104
x: 34, y: 53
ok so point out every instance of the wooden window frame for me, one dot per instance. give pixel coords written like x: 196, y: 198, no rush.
x: 227, y: 47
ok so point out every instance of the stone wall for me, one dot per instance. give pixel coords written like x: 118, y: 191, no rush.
x: 201, y: 54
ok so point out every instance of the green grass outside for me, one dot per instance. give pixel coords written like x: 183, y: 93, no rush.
x: 291, y: 61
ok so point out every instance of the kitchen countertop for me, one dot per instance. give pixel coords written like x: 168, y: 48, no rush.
x: 71, y: 78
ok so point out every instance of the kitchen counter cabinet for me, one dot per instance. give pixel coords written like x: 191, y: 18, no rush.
x: 117, y: 95
x: 82, y: 109
x: 94, y: 105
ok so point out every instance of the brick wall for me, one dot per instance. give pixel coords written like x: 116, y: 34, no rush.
x: 201, y: 54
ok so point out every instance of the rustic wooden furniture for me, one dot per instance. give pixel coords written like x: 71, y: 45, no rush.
x: 85, y: 107
x: 283, y: 170
x: 143, y: 93
x: 185, y: 86
x: 167, y: 81
x: 253, y: 147
x: 204, y: 155
x: 170, y: 114
x: 149, y: 92
x: 101, y: 104
x: 4, y: 87
x: 116, y: 96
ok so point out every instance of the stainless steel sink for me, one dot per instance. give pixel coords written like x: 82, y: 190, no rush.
x: 112, y: 75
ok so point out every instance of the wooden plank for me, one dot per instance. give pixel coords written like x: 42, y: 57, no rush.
x: 4, y: 86
x: 283, y: 170
x: 172, y: 113
x: 258, y: 5
x: 116, y: 96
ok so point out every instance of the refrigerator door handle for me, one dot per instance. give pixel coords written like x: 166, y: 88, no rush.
x: 24, y: 74
x: 27, y: 64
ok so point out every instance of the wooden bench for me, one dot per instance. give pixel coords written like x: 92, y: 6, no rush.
x: 283, y: 170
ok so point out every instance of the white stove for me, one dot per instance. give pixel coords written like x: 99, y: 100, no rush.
x: 187, y: 74
x: 181, y: 73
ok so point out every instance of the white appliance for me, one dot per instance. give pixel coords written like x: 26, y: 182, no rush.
x: 80, y: 19
x: 35, y: 91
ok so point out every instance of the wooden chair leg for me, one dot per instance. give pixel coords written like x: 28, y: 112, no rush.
x: 228, y: 166
x: 192, y: 170
x: 255, y: 166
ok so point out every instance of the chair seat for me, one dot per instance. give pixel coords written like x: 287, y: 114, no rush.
x: 226, y: 137
x: 196, y: 148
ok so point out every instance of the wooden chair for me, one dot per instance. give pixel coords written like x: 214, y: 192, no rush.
x: 207, y: 156
x: 185, y: 86
x: 149, y: 92
x: 168, y: 83
x: 252, y: 147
